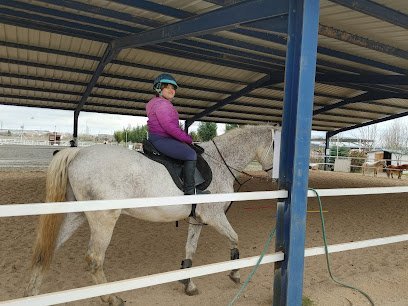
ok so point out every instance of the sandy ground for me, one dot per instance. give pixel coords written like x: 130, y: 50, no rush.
x: 142, y: 248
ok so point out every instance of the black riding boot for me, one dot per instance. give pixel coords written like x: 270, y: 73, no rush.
x: 188, y: 177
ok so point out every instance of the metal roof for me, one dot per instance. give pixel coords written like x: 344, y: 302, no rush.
x: 101, y: 56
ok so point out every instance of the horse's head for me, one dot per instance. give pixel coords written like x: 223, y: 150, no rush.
x: 264, y: 153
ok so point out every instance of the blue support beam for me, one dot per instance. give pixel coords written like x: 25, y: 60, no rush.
x: 98, y: 10
x: 360, y: 98
x: 376, y: 10
x: 396, y: 116
x: 295, y: 148
x: 156, y: 8
x: 277, y: 24
x: 109, y: 54
x: 222, y: 19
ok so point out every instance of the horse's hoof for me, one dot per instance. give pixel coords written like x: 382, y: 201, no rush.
x: 191, y: 292
x: 234, y: 278
x: 116, y: 301
x: 191, y: 289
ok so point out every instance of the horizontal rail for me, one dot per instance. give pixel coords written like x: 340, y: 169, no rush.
x: 335, y: 248
x: 171, y: 276
x: 13, y: 210
x: 78, y: 206
x: 140, y: 282
x: 357, y: 191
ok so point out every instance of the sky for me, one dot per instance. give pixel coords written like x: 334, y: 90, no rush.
x: 61, y: 121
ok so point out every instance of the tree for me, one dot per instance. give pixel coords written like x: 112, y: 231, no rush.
x: 230, y: 126
x: 395, y: 138
x: 118, y: 136
x: 207, y: 130
x: 341, y: 151
x: 138, y: 134
x: 195, y: 136
x: 367, y: 136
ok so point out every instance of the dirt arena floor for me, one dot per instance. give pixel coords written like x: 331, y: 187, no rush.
x: 141, y: 248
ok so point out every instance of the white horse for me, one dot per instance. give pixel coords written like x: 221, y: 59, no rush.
x: 76, y: 175
x: 376, y: 166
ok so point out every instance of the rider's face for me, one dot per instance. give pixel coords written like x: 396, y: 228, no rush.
x: 168, y: 91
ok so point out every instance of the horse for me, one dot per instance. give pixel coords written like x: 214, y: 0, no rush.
x: 377, y: 165
x: 403, y: 167
x: 391, y: 170
x: 75, y: 175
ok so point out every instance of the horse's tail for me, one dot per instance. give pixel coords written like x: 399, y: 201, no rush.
x: 49, y: 225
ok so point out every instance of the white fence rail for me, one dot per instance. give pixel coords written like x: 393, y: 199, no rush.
x: 161, y: 278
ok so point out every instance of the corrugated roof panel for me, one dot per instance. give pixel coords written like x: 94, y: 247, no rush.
x: 40, y: 84
x: 330, y: 118
x: 47, y: 104
x: 252, y: 40
x: 402, y: 103
x: 196, y: 7
x: 43, y: 39
x: 252, y: 109
x: 269, y: 93
x: 362, y: 52
x: 171, y: 62
x: 358, y: 23
x: 267, y: 102
x: 337, y: 91
x: 377, y: 108
x: 399, y: 5
x: 203, y: 82
x: 26, y: 71
x: 352, y: 64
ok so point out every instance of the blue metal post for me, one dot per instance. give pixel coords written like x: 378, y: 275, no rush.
x: 295, y: 149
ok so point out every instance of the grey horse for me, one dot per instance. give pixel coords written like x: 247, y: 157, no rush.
x: 76, y: 175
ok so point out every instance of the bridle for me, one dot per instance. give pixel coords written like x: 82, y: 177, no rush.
x: 239, y: 171
x: 233, y: 175
x: 270, y: 147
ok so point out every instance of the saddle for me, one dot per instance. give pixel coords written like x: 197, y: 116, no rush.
x: 203, y: 173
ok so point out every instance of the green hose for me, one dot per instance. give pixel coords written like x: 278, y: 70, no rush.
x: 248, y: 279
x: 327, y: 253
x: 272, y: 233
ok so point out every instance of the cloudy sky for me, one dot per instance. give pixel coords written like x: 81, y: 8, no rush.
x: 14, y: 117
x: 62, y: 121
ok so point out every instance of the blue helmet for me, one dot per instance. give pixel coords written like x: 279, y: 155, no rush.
x: 164, y: 78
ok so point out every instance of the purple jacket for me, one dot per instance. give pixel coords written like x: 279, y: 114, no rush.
x: 163, y: 120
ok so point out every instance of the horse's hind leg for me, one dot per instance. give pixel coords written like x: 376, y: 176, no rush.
x: 194, y: 231
x: 101, y: 224
x: 222, y: 225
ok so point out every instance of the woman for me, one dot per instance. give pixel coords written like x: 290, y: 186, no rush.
x: 165, y: 133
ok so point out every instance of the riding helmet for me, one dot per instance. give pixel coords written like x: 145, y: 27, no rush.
x: 164, y: 78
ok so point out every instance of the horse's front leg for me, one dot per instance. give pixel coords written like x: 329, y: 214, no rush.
x: 222, y: 225
x: 194, y: 231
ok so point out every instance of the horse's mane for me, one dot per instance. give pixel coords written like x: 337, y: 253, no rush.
x: 246, y: 129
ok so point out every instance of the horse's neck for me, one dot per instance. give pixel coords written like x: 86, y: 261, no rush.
x: 237, y: 150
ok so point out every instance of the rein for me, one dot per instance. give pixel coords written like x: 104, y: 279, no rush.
x: 239, y: 171
x: 229, y: 167
x: 233, y: 175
